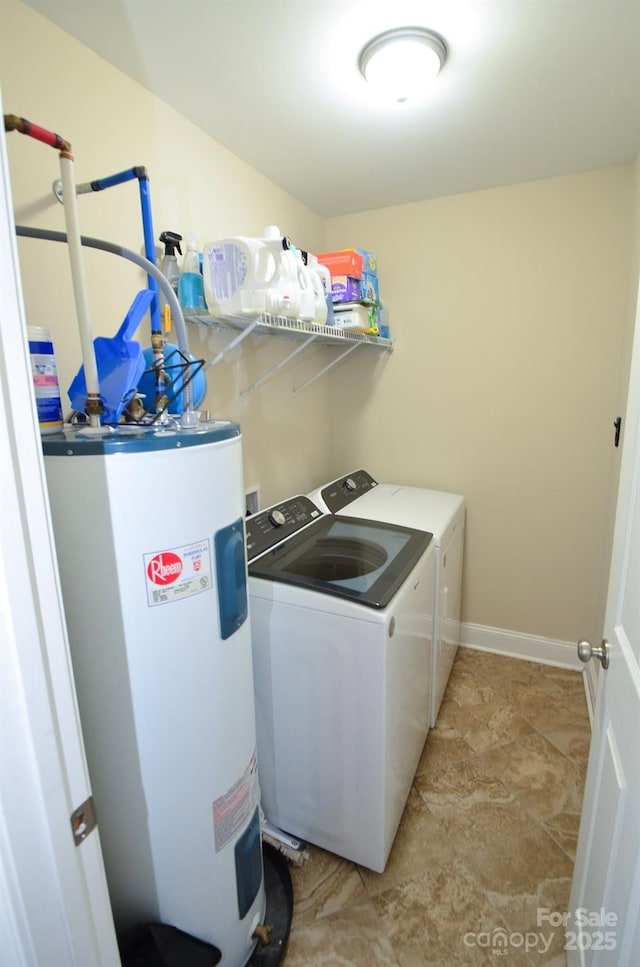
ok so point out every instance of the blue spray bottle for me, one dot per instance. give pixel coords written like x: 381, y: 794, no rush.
x: 190, y: 284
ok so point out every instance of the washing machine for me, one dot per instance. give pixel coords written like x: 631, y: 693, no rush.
x: 443, y: 514
x: 341, y: 611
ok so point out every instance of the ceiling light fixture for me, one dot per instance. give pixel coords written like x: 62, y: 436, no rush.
x: 403, y: 62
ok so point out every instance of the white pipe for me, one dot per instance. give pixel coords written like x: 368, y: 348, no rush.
x: 79, y: 282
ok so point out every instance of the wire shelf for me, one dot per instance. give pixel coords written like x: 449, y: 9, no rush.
x: 293, y: 328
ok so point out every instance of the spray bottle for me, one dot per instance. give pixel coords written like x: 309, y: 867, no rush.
x: 190, y: 284
x: 169, y: 268
x: 169, y: 265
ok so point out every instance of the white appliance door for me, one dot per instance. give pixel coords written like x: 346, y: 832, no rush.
x: 447, y: 636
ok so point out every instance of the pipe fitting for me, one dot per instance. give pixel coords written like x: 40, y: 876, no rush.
x: 263, y: 933
x: 94, y: 406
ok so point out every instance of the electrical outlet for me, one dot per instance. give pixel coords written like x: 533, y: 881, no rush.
x: 252, y: 500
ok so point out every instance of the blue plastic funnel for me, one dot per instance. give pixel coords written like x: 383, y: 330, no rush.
x: 120, y: 364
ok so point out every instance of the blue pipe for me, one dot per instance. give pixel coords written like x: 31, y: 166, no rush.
x: 111, y: 180
x: 141, y: 173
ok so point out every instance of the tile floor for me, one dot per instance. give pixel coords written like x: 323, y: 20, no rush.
x: 487, y: 838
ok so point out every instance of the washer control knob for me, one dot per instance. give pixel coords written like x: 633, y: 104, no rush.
x: 277, y: 518
x: 350, y: 484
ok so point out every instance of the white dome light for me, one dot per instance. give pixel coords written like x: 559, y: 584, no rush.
x: 403, y: 63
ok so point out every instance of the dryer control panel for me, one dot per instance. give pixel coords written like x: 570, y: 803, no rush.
x: 271, y: 526
x: 342, y: 492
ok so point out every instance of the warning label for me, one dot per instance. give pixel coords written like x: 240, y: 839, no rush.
x: 177, y: 572
x: 232, y: 810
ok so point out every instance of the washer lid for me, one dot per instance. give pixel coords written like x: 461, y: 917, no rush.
x: 366, y: 561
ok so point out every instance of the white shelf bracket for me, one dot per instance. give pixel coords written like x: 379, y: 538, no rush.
x: 230, y: 346
x: 274, y: 369
x: 265, y: 324
x: 334, y: 362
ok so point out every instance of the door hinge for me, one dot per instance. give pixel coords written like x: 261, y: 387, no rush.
x: 618, y: 426
x: 83, y: 821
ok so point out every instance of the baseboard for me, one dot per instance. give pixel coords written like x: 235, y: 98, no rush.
x: 547, y: 651
x: 591, y: 686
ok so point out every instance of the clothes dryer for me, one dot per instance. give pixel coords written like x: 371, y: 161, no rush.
x: 441, y: 513
x: 341, y: 611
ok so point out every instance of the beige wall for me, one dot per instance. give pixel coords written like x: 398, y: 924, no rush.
x: 196, y: 185
x: 509, y: 308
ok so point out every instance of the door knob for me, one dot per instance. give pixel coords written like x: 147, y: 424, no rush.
x: 587, y: 651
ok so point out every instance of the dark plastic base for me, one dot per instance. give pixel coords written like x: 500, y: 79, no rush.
x: 279, y: 890
x: 160, y: 945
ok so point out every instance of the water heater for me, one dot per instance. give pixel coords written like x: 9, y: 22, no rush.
x: 148, y: 526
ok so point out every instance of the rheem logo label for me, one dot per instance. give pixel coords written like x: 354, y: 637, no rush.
x: 164, y: 568
x: 173, y: 575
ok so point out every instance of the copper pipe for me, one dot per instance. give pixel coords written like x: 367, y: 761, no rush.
x: 14, y: 123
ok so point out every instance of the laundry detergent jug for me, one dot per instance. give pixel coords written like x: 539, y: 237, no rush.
x: 244, y: 276
x: 322, y: 274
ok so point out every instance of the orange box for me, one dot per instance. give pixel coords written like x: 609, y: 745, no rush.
x: 345, y: 262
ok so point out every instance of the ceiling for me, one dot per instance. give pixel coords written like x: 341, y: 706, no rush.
x: 530, y: 89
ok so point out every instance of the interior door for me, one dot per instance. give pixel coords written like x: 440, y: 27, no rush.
x: 54, y: 904
x: 604, y: 921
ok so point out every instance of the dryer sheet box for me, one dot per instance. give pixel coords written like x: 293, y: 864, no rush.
x: 346, y: 262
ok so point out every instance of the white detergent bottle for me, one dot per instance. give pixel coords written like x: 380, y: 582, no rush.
x: 313, y: 284
x: 284, y: 294
x: 236, y: 273
x: 322, y: 273
x: 320, y: 300
x: 304, y: 278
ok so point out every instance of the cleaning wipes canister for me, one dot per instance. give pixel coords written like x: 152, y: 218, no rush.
x: 45, y: 379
